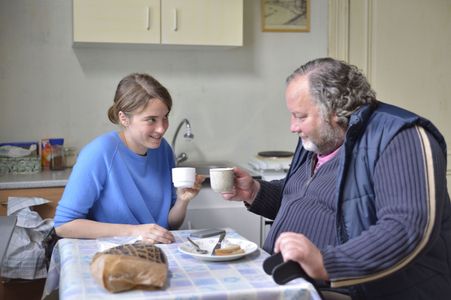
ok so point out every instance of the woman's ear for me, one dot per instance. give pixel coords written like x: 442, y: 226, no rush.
x: 123, y: 119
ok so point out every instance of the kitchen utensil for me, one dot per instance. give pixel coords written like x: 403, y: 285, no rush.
x: 208, y: 243
x: 183, y: 177
x: 218, y: 244
x: 198, y: 249
x: 207, y: 233
x: 275, y: 154
x: 221, y: 179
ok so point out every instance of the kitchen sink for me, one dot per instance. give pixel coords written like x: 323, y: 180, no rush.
x: 203, y: 167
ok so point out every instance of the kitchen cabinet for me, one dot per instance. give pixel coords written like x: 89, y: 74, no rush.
x: 46, y: 184
x: 49, y: 193
x: 168, y: 22
x: 22, y: 288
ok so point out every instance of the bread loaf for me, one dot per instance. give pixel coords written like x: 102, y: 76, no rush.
x: 130, y: 266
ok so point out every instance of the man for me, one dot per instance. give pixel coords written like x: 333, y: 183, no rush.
x: 364, y: 207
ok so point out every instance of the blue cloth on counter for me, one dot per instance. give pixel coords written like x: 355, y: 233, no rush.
x: 110, y: 183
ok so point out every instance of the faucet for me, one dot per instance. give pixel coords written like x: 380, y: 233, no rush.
x: 188, y: 135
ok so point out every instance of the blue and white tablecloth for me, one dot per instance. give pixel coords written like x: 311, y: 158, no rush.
x: 189, y: 278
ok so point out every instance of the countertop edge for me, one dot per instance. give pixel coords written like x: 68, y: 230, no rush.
x: 50, y: 179
x: 44, y: 179
x: 32, y: 184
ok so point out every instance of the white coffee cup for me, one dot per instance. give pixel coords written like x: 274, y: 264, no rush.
x: 183, y: 177
x: 221, y: 179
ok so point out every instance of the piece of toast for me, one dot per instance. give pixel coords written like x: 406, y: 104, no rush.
x: 229, y: 250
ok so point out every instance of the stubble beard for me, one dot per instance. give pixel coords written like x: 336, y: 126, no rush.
x: 330, y: 138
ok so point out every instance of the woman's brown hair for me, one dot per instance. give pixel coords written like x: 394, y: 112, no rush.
x: 134, y: 92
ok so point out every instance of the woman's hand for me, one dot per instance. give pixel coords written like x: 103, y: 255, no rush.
x: 184, y: 196
x: 187, y: 194
x: 83, y: 228
x: 297, y: 247
x: 153, y: 233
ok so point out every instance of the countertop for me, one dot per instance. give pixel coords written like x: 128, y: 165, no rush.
x: 42, y: 179
x: 49, y: 178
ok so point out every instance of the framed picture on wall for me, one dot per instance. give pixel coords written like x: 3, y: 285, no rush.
x: 285, y: 15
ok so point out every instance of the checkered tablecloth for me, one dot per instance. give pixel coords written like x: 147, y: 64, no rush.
x: 189, y: 278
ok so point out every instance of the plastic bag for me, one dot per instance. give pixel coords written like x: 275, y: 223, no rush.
x: 25, y: 257
x: 130, y: 266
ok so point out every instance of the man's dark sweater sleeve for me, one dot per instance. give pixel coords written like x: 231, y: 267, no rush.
x: 267, y: 202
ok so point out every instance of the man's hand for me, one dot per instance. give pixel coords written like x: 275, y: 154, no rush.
x: 245, y: 187
x: 297, y: 247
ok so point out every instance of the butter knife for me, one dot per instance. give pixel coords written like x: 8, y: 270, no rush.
x: 218, y: 244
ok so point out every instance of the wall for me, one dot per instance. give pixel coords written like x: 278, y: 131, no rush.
x: 403, y: 46
x: 232, y: 96
x: 408, y: 43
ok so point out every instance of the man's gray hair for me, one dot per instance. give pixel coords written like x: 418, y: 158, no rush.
x: 337, y: 87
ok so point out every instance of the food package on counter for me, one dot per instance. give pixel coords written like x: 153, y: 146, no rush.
x: 46, y: 154
x: 48, y: 147
x: 19, y: 149
x: 19, y: 158
x: 130, y: 266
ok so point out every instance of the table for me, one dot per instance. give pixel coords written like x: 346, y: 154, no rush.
x: 189, y: 278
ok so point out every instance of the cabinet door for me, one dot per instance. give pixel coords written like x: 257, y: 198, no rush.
x: 448, y: 172
x: 117, y: 21
x: 45, y: 211
x: 202, y: 22
x: 210, y: 210
x: 239, y: 219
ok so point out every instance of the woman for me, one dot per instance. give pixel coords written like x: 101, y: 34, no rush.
x: 121, y: 184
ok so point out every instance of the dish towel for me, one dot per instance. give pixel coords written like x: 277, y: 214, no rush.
x: 25, y: 257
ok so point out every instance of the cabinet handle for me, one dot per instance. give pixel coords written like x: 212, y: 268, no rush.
x: 148, y: 18
x: 175, y: 20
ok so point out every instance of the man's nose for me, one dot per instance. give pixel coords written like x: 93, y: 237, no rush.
x: 294, y: 126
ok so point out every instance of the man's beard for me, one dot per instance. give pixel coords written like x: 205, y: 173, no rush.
x: 330, y: 138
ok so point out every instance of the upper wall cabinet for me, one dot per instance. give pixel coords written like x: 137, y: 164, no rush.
x: 176, y: 22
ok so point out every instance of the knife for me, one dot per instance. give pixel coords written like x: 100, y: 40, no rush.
x: 218, y: 244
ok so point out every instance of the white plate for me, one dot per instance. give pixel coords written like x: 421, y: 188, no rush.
x: 209, y: 243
